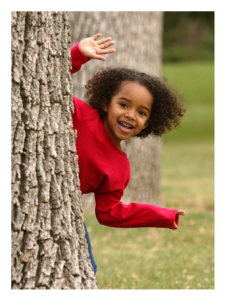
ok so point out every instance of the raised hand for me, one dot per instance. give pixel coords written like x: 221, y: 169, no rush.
x: 179, y: 213
x: 91, y: 48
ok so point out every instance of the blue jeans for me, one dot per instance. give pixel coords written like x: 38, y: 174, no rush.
x: 94, y: 265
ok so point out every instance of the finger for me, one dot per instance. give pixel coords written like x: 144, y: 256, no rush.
x: 175, y: 225
x: 181, y: 212
x: 96, y: 36
x: 99, y: 57
x: 106, y: 45
x: 106, y: 51
x: 103, y: 40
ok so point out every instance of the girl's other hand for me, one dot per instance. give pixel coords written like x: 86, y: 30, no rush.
x: 179, y: 213
x: 91, y: 48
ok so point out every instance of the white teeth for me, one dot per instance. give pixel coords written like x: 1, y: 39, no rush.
x: 126, y: 125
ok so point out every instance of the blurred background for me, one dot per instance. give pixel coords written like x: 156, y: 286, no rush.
x: 150, y: 258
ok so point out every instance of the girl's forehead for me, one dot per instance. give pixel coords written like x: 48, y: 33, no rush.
x: 133, y: 87
x: 125, y: 83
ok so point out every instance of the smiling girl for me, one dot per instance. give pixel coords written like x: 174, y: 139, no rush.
x: 128, y: 112
x: 121, y: 103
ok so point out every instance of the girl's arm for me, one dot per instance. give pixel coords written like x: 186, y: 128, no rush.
x: 88, y: 48
x: 77, y: 58
x: 110, y: 211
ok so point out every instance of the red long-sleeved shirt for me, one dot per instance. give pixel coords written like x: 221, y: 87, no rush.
x: 105, y: 170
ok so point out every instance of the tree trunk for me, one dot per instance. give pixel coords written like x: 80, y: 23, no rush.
x: 138, y: 37
x: 49, y: 249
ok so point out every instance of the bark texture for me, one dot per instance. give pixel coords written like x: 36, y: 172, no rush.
x: 138, y: 37
x: 49, y: 249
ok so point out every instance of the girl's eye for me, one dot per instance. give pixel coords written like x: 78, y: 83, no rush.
x: 123, y: 105
x: 142, y: 113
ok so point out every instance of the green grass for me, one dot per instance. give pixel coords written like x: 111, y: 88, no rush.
x: 195, y: 82
x: 188, y: 152
x: 151, y: 258
x: 178, y: 53
x: 187, y: 176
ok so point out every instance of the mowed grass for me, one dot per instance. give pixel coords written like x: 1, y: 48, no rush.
x: 195, y: 82
x: 152, y: 258
x: 188, y: 152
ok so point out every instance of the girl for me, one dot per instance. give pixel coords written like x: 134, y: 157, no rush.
x: 122, y: 103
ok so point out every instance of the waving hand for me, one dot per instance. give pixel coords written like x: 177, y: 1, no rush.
x: 92, y: 49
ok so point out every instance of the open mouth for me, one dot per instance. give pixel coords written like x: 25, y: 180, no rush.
x: 125, y: 127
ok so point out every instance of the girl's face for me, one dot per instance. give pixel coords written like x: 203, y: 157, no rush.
x: 128, y: 112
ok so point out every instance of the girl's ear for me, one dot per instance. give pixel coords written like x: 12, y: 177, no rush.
x: 105, y: 105
x: 147, y: 123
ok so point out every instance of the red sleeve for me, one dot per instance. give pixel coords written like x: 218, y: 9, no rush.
x: 83, y: 111
x: 110, y: 211
x: 77, y: 58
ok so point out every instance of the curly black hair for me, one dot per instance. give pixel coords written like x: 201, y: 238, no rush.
x: 167, y: 105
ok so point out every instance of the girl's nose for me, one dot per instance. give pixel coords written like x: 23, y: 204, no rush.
x: 130, y: 115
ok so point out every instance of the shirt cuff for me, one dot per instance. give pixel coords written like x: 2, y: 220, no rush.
x: 78, y: 55
x: 176, y: 219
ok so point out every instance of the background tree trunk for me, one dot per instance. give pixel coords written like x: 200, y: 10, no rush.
x: 49, y: 249
x: 138, y: 37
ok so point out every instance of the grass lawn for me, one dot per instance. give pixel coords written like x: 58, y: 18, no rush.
x: 151, y: 258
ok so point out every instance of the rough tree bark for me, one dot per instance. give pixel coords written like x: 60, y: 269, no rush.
x: 49, y: 249
x: 138, y: 37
